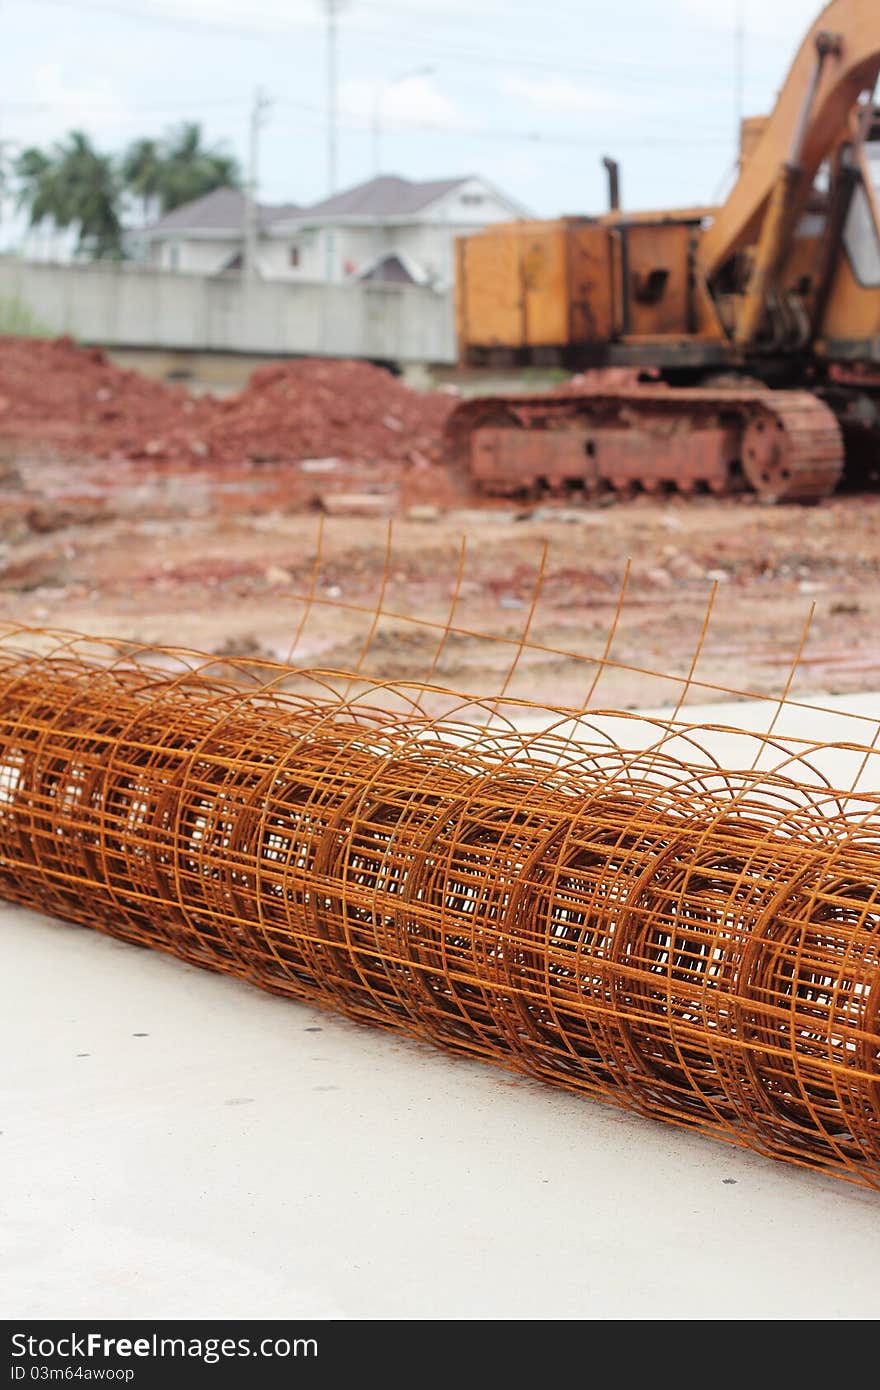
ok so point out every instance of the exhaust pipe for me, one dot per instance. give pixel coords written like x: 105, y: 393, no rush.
x: 613, y: 169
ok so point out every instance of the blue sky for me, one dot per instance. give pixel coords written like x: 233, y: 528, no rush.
x: 529, y: 94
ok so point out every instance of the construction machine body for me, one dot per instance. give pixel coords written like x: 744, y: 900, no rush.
x: 775, y: 291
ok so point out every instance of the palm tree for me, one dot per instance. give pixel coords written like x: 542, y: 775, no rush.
x: 6, y: 163
x: 188, y: 169
x: 141, y: 171
x: 32, y: 171
x: 74, y: 186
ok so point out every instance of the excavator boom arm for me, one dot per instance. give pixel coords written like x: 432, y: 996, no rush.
x: 838, y: 60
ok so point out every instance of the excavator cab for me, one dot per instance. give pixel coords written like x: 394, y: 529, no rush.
x: 852, y: 326
x: 823, y: 299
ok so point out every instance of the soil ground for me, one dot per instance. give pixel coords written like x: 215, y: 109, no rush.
x: 134, y: 508
x: 227, y: 581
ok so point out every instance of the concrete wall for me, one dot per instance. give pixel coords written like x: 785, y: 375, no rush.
x: 125, y: 306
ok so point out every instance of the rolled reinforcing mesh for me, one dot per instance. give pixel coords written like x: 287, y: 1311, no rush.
x: 698, y: 944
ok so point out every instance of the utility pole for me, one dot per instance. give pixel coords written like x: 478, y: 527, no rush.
x: 259, y: 111
x: 3, y: 169
x: 332, y: 9
x: 740, y: 52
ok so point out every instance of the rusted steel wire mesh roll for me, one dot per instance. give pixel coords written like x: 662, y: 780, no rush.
x: 700, y: 945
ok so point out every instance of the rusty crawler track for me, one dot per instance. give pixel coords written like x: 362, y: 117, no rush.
x: 789, y: 445
x: 698, y: 944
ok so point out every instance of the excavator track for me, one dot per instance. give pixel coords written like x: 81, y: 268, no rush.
x: 784, y: 445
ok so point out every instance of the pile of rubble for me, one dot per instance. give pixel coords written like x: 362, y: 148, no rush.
x: 72, y: 402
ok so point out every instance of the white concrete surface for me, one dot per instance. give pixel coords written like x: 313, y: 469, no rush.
x: 178, y: 1144
x: 820, y: 741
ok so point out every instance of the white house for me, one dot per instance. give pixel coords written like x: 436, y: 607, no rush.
x: 206, y: 237
x: 390, y: 229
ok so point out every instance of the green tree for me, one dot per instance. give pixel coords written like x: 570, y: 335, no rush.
x: 6, y: 168
x: 141, y: 171
x: 189, y: 169
x: 74, y: 186
x: 32, y: 171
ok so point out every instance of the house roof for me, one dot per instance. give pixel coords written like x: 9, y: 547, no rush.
x: 394, y: 267
x: 385, y: 196
x: 216, y: 213
x: 221, y: 213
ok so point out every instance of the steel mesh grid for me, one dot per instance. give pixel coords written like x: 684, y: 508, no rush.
x: 611, y: 903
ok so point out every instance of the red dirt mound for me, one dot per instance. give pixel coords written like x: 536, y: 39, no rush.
x: 313, y: 408
x: 76, y: 403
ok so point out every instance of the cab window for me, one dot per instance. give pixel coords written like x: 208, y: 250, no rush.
x: 860, y: 236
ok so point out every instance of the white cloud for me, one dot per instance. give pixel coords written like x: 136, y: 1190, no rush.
x: 414, y: 98
x: 558, y: 94
x: 418, y: 98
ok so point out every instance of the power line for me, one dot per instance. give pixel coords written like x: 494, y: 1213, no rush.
x: 170, y: 21
x: 355, y: 120
x: 613, y: 71
x: 740, y: 64
x: 641, y: 76
x: 540, y: 13
x: 147, y: 108
x: 362, y: 121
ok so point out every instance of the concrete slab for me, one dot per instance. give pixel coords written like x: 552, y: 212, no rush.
x: 178, y: 1144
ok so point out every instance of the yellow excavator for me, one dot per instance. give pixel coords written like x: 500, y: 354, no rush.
x: 749, y: 333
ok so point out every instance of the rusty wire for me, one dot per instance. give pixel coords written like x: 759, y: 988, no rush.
x: 682, y: 919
